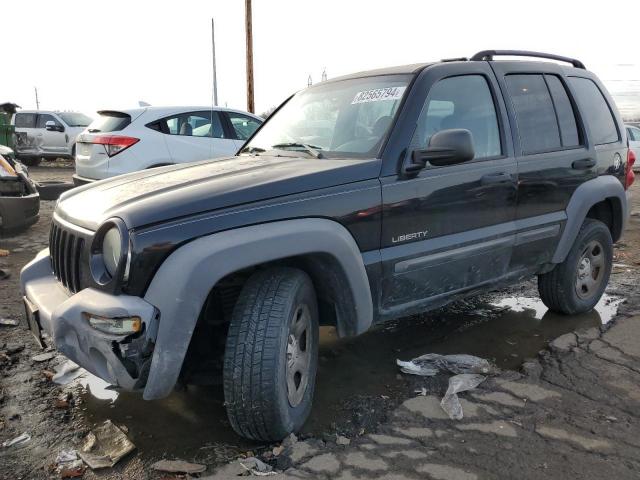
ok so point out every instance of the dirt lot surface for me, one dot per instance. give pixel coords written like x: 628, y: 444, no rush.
x: 564, y: 405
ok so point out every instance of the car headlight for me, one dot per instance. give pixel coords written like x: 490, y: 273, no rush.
x: 111, y: 253
x: 112, y: 250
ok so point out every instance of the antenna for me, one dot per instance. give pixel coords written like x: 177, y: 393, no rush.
x: 215, y: 78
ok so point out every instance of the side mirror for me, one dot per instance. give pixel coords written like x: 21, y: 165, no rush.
x: 446, y: 147
x: 52, y: 127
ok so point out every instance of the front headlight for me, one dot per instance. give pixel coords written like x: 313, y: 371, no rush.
x: 112, y: 250
x: 111, y: 253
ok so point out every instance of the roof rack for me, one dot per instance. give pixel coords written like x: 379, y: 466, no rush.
x: 489, y: 54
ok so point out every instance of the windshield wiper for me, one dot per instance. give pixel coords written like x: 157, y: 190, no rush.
x: 312, y: 149
x: 94, y: 130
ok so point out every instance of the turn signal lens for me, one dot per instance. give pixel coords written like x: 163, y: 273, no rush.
x: 115, y: 326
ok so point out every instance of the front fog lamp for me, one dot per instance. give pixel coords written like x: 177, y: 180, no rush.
x: 115, y: 326
x: 112, y: 250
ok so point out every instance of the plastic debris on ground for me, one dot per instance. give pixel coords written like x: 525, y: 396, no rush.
x: 17, y: 441
x: 459, y: 383
x: 178, y: 466
x: 68, y: 465
x: 469, y: 372
x: 67, y: 372
x: 9, y: 322
x: 430, y: 364
x: 43, y: 357
x: 105, y: 446
x: 4, y: 253
x: 257, y: 467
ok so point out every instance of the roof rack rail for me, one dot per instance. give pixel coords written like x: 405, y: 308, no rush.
x: 489, y: 54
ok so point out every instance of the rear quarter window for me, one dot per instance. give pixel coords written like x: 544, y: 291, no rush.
x: 595, y: 110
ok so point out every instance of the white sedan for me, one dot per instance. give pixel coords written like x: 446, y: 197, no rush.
x: 124, y: 141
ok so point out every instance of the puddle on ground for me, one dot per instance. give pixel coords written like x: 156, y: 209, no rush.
x: 193, y: 422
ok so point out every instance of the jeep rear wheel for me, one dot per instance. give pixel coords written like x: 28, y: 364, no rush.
x: 576, y: 285
x: 271, y: 355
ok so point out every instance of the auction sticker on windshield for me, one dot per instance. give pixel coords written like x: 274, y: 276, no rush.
x: 379, y: 95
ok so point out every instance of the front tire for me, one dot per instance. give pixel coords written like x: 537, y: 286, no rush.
x: 576, y: 285
x: 271, y: 355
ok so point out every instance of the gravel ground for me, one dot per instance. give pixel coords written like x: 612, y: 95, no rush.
x: 571, y: 412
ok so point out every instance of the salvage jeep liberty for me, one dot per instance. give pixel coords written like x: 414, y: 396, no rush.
x: 362, y: 199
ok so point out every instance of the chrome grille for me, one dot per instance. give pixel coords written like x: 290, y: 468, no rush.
x: 65, y: 248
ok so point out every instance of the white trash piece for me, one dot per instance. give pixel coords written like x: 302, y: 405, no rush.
x: 430, y: 364
x: 459, y: 383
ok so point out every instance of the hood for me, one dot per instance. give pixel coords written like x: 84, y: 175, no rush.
x: 161, y: 194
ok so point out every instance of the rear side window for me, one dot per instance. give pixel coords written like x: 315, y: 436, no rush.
x: 25, y: 120
x: 110, y: 122
x: 596, y: 111
x: 634, y: 134
x: 243, y: 125
x: 191, y: 124
x: 535, y: 115
x: 564, y: 111
x: 461, y: 102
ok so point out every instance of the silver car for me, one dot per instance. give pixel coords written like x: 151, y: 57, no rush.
x: 47, y: 134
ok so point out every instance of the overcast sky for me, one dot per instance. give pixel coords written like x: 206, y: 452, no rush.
x: 88, y: 55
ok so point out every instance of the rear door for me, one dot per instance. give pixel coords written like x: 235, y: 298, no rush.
x: 449, y: 229
x: 552, y: 154
x: 52, y: 141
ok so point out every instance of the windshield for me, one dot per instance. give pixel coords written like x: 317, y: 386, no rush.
x: 347, y: 118
x: 75, y: 119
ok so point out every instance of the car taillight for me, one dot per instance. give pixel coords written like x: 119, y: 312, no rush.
x: 114, y: 144
x: 631, y: 159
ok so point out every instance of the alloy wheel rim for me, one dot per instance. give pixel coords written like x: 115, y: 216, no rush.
x: 590, y: 271
x: 298, y: 355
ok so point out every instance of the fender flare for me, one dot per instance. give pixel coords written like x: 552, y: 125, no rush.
x: 184, y: 280
x: 585, y: 197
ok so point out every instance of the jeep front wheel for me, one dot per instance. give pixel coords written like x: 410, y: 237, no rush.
x: 576, y: 285
x: 271, y: 354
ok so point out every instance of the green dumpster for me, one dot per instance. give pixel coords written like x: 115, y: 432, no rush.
x: 7, y: 130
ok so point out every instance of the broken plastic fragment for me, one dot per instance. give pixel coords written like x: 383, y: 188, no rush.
x: 430, y: 364
x: 105, y: 446
x: 459, y: 383
x: 17, y: 441
x: 178, y: 466
x: 257, y: 467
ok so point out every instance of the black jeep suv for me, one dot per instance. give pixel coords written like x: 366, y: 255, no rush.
x: 362, y: 199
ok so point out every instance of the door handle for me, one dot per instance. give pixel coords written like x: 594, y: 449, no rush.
x: 493, y: 178
x: 583, y: 164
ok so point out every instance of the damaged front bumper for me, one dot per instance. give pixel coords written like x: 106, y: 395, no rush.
x: 122, y: 360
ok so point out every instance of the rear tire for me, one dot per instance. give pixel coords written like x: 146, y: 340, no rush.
x: 577, y: 284
x: 271, y: 355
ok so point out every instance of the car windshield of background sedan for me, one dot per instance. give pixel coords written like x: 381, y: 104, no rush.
x: 346, y: 118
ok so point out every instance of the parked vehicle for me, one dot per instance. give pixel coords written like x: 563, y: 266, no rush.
x: 406, y: 188
x: 19, y: 199
x: 633, y: 134
x: 47, y: 134
x: 125, y: 141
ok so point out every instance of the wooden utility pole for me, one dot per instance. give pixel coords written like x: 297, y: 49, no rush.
x: 247, y: 11
x: 215, y: 78
x: 37, y: 101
